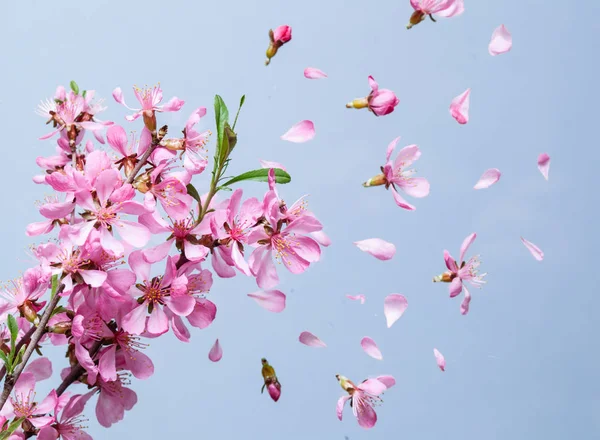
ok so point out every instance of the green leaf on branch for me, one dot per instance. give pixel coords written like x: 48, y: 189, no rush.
x: 261, y: 175
x: 54, y: 285
x: 11, y: 322
x: 14, y: 425
x: 4, y: 358
x: 242, y: 100
x: 221, y: 118
x: 74, y: 87
x: 57, y: 310
x: 191, y: 190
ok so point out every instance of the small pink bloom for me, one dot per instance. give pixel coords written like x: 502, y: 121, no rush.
x: 149, y: 99
x: 380, y: 101
x: 394, y: 306
x: 169, y: 191
x: 277, y: 37
x: 69, y: 426
x: 216, y: 352
x: 501, y: 41
x: 488, y: 178
x: 360, y: 298
x: 544, y: 164
x: 363, y: 398
x: 370, y: 347
x: 397, y: 174
x: 314, y: 73
x: 459, y: 107
x: 307, y: 338
x: 443, y: 8
x: 271, y: 300
x: 22, y: 403
x: 380, y: 249
x: 22, y: 295
x: 274, y: 390
x: 303, y: 131
x: 536, y: 252
x: 439, y: 358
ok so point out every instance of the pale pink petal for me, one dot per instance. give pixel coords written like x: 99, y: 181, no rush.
x: 271, y: 300
x: 537, y: 253
x: 41, y: 368
x: 394, y: 306
x: 373, y: 386
x: 459, y: 107
x: 307, y: 338
x: 544, y: 164
x: 380, y: 249
x: 321, y: 238
x: 488, y: 178
x: 216, y: 352
x: 303, y: 131
x: 366, y: 415
x: 400, y: 201
x: 360, y: 298
x: 370, y: 347
x: 340, y: 406
x: 269, y: 164
x: 439, y: 358
x: 501, y: 41
x: 390, y: 148
x: 314, y: 73
x: 469, y: 239
x: 464, y: 306
x: 94, y: 278
x: 387, y: 380
x: 455, y: 287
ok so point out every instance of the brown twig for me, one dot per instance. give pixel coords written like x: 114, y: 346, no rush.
x: 77, y: 370
x: 142, y: 162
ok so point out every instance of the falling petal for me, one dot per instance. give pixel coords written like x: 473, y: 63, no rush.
x: 459, y: 107
x: 314, y: 73
x: 271, y: 300
x: 394, y: 306
x: 370, y: 347
x: 439, y: 358
x: 488, y: 178
x: 307, y: 338
x: 303, y: 131
x: 544, y: 164
x: 501, y: 41
x: 535, y: 251
x: 380, y: 249
x: 360, y: 298
x: 216, y: 352
x: 269, y: 164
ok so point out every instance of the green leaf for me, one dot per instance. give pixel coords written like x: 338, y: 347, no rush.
x: 261, y: 175
x: 13, y: 328
x: 74, y: 87
x: 5, y: 360
x: 84, y: 93
x: 57, y: 310
x: 191, y: 190
x: 221, y: 118
x: 54, y: 285
x: 14, y: 425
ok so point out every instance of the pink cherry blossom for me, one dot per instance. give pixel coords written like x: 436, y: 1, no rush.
x: 69, y: 425
x: 314, y: 73
x: 128, y: 149
x: 380, y: 249
x: 397, y: 174
x: 544, y: 164
x: 443, y: 8
x: 439, y: 358
x: 22, y: 403
x: 370, y: 347
x: 216, y: 352
x: 535, y: 251
x: 362, y: 398
x: 22, y: 295
x: 271, y: 300
x: 149, y: 99
x: 380, y: 101
x: 458, y: 274
x: 501, y: 41
x: 169, y: 191
x: 459, y: 107
x: 278, y: 37
x: 300, y: 132
x: 307, y: 338
x: 488, y: 178
x: 394, y: 306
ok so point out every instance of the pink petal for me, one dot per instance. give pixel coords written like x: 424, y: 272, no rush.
x: 314, y: 73
x: 387, y: 380
x: 216, y: 352
x: 439, y: 357
x: 360, y: 298
x: 269, y: 164
x: 303, y: 131
x: 459, y: 107
x: 372, y: 386
x: 537, y: 253
x: 544, y: 164
x: 488, y: 178
x: 271, y: 300
x: 469, y: 239
x: 455, y: 287
x: 380, y: 249
x: 501, y: 41
x: 307, y: 338
x: 370, y: 347
x: 41, y: 368
x: 321, y: 238
x: 340, y: 406
x: 394, y: 306
x: 464, y: 306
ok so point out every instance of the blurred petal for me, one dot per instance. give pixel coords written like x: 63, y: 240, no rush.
x: 321, y: 237
x: 387, y: 380
x: 370, y: 347
x: 269, y: 164
x: 307, y: 338
x: 380, y: 249
x: 216, y: 352
x: 271, y: 300
x: 303, y: 131
x: 360, y: 298
x: 459, y: 107
x: 314, y: 73
x: 394, y: 306
x: 488, y: 178
x: 544, y: 164
x: 501, y: 41
x: 439, y: 358
x: 535, y: 251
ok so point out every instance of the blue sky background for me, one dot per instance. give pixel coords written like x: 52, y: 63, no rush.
x: 522, y: 365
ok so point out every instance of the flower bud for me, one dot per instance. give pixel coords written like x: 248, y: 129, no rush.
x: 142, y: 183
x: 173, y: 144
x: 150, y: 120
x: 60, y: 328
x: 416, y: 18
x: 28, y: 311
x: 274, y: 391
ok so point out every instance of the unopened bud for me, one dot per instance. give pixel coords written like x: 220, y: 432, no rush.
x: 61, y: 328
x: 28, y: 311
x: 173, y: 144
x: 231, y: 137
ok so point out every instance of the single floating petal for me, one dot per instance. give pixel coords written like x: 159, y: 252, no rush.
x: 394, y: 306
x: 459, y: 107
x: 380, y: 249
x: 544, y: 164
x: 488, y: 178
x: 314, y: 73
x: 439, y: 358
x: 537, y: 253
x: 303, y: 131
x: 307, y: 338
x: 216, y: 352
x: 501, y: 41
x: 271, y: 300
x: 360, y: 298
x: 269, y: 164
x: 370, y: 347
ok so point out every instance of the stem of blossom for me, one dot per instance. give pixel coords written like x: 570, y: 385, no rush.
x: 142, y: 161
x: 24, y: 340
x: 11, y: 379
x: 77, y: 370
